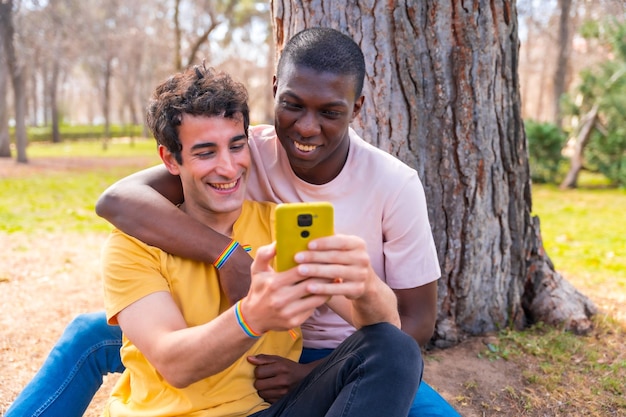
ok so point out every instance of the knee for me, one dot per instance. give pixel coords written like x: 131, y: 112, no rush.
x: 85, y: 324
x: 397, y: 349
x: 87, y: 330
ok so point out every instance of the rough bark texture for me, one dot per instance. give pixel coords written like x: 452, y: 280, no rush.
x: 442, y: 94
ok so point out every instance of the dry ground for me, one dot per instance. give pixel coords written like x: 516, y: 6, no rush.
x: 48, y: 279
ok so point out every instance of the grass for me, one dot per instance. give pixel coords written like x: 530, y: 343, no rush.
x: 62, y: 200
x: 93, y: 148
x: 584, y: 231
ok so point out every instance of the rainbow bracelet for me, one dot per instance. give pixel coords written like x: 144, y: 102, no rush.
x: 242, y: 323
x: 228, y: 250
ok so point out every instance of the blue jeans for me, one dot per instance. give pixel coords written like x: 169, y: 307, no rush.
x: 374, y: 372
x: 69, y: 378
x: 89, y: 348
x: 426, y: 403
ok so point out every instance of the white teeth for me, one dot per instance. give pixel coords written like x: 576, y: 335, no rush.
x: 226, y: 186
x: 304, y: 148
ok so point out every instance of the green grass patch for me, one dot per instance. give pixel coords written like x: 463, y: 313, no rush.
x: 115, y: 148
x: 584, y: 231
x: 55, y: 202
x: 58, y: 201
x: 79, y: 132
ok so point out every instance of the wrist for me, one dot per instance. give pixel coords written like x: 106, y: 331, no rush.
x: 242, y: 317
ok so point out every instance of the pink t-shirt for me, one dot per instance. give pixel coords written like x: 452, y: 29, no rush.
x: 376, y: 197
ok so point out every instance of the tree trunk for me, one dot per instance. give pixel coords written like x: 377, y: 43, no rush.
x: 5, y: 139
x: 442, y: 94
x: 106, y: 102
x: 582, y: 138
x: 54, y: 101
x: 560, y: 72
x: 17, y: 77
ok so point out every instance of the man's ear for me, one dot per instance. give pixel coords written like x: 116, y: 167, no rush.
x: 274, y: 85
x: 358, y: 103
x: 169, y: 160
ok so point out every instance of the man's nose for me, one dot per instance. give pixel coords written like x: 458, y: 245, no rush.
x: 308, y: 124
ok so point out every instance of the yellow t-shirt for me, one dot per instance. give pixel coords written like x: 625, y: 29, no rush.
x: 132, y: 270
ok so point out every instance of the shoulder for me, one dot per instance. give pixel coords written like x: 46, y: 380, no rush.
x: 261, y: 133
x: 120, y: 244
x: 366, y: 154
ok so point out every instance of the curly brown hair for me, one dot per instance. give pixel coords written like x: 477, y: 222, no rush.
x: 198, y: 91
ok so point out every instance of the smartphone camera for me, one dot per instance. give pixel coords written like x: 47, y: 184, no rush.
x: 305, y: 220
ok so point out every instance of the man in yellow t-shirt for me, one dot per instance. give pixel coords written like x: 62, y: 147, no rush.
x: 186, y: 349
x: 172, y: 310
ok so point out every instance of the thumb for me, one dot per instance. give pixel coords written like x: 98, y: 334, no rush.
x: 262, y: 260
x: 259, y: 360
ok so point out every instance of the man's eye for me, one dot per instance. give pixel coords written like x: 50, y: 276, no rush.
x: 332, y: 114
x: 289, y: 105
x: 203, y: 155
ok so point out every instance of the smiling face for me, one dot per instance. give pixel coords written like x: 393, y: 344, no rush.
x: 215, y: 165
x: 313, y: 111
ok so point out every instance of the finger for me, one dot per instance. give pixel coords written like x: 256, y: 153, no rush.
x: 350, y: 290
x: 260, y: 360
x: 331, y: 272
x: 336, y: 242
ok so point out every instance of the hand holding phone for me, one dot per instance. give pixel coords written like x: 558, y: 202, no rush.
x: 296, y: 225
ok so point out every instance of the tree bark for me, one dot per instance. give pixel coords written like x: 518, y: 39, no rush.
x: 17, y: 77
x: 442, y: 94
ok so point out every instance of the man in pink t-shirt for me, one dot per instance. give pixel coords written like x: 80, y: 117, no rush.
x: 391, y: 216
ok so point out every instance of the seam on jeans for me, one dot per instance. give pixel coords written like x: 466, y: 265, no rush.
x: 353, y: 391
x: 81, y: 361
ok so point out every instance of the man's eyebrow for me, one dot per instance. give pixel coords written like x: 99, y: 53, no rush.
x: 213, y: 144
x: 338, y: 103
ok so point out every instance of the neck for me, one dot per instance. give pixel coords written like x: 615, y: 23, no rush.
x: 220, y: 222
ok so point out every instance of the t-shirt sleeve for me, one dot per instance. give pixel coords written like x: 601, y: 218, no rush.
x: 410, y: 253
x: 131, y: 270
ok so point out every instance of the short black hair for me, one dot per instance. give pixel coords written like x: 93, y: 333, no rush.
x: 325, y: 50
x: 198, y: 91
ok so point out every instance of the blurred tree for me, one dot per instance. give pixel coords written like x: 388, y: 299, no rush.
x: 545, y: 142
x: 17, y: 74
x: 442, y: 94
x: 599, y: 105
x: 563, y: 51
x: 5, y: 139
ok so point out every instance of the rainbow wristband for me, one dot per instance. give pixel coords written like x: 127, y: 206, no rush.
x: 242, y: 323
x: 228, y: 250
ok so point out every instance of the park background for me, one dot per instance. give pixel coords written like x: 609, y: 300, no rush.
x: 88, y: 78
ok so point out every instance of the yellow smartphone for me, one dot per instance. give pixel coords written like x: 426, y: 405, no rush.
x: 298, y: 223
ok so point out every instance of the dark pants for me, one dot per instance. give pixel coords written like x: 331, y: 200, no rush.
x: 375, y: 372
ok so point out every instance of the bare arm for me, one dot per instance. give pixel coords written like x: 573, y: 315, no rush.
x: 418, y: 311
x: 184, y: 355
x: 144, y: 206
